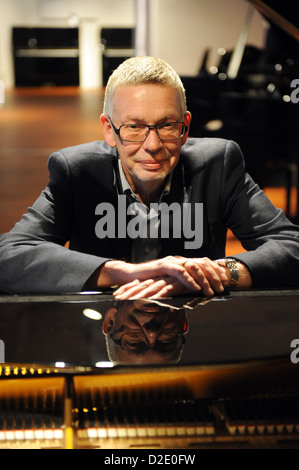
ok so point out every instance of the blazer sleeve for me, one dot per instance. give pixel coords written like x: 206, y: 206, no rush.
x: 271, y: 240
x: 33, y: 256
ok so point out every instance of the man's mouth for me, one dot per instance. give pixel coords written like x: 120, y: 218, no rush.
x: 151, y: 164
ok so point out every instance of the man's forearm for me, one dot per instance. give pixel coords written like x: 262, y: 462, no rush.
x: 245, y: 281
x: 111, y: 273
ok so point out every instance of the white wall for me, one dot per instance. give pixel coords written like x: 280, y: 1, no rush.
x: 183, y: 29
x: 180, y: 30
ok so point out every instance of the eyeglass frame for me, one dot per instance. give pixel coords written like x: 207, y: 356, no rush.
x: 149, y: 346
x: 149, y: 127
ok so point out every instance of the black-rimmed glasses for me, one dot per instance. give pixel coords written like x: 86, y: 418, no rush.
x: 139, y: 132
x: 138, y: 342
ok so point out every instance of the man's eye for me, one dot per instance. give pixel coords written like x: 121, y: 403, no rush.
x: 134, y: 344
x: 166, y: 126
x: 134, y: 126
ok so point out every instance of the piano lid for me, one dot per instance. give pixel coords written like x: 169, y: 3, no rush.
x: 95, y: 332
x: 279, y: 13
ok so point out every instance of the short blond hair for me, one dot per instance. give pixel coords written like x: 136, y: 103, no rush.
x: 143, y: 70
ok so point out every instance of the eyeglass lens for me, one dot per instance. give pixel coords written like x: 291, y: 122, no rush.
x: 138, y: 341
x: 167, y: 131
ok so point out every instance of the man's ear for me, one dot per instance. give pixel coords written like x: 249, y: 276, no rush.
x: 109, y: 320
x: 108, y: 130
x: 187, y: 122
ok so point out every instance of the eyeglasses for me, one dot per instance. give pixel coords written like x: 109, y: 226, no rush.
x: 139, y: 132
x: 138, y: 342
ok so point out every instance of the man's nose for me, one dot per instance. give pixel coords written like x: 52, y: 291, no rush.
x: 152, y: 142
x: 152, y: 336
x: 152, y: 330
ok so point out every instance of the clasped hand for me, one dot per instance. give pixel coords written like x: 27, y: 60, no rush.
x: 174, y: 275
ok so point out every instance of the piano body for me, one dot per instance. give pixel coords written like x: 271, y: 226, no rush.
x: 251, y: 97
x: 223, y: 372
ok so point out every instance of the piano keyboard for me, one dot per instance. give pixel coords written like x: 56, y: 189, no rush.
x: 263, y: 416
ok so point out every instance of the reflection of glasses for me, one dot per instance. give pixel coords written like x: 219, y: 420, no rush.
x: 139, y: 132
x: 138, y: 342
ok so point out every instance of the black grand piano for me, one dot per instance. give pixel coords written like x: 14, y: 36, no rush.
x: 252, y: 98
x: 80, y: 371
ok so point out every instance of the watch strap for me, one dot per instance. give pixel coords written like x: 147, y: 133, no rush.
x: 231, y: 264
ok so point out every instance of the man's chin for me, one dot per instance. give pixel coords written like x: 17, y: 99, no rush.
x: 151, y: 176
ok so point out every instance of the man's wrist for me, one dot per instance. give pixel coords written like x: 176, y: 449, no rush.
x: 239, y: 275
x: 232, y: 268
x: 109, y: 274
x: 114, y: 273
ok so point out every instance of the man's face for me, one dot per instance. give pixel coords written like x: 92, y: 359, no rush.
x: 144, y: 319
x: 146, y: 164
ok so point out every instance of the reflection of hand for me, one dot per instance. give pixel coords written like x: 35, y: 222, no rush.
x: 151, y: 288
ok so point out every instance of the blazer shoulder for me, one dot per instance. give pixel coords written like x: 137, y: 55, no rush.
x: 200, y: 152
x: 84, y: 157
x: 90, y: 150
x: 205, y: 148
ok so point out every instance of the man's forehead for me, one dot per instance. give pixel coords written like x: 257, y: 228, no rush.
x: 132, y: 98
x: 127, y: 87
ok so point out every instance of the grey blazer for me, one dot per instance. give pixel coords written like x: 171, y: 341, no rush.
x: 33, y: 256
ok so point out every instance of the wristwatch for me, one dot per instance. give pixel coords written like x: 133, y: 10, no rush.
x: 231, y: 264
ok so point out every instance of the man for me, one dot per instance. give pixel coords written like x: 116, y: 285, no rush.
x: 148, y: 160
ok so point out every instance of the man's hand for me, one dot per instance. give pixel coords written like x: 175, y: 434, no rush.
x: 167, y: 276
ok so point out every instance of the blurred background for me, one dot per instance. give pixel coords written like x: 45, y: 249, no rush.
x: 238, y: 60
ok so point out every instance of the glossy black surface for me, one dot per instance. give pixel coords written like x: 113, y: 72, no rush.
x: 243, y: 326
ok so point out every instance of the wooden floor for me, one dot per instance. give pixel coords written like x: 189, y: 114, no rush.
x: 34, y: 123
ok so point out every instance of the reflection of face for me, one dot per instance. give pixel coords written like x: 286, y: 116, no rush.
x: 149, y: 162
x: 151, y: 323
